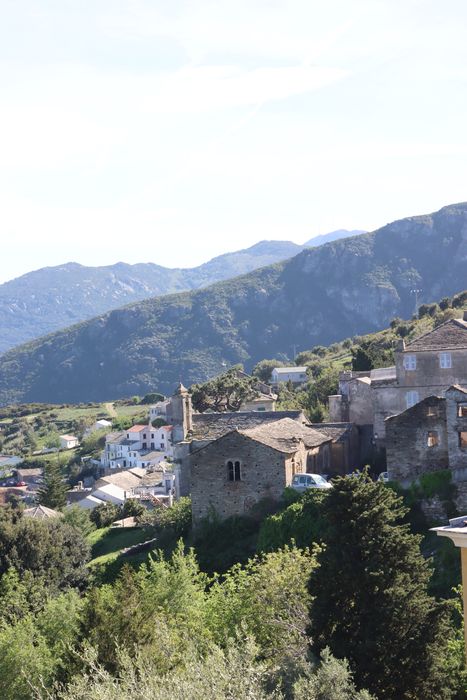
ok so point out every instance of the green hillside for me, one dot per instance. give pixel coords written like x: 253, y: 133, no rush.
x: 348, y: 287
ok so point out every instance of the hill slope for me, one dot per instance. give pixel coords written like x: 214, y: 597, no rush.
x: 323, y: 294
x: 51, y: 298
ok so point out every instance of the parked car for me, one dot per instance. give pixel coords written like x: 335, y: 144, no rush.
x: 384, y: 477
x: 20, y: 483
x: 302, y: 482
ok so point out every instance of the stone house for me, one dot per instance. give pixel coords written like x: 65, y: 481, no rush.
x: 231, y: 474
x: 427, y: 366
x: 429, y: 436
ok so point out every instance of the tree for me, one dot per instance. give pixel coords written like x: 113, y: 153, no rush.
x: 52, y: 551
x: 268, y: 599
x: 132, y: 508
x: 152, y: 397
x: 263, y: 369
x: 52, y: 492
x: 79, y: 518
x: 226, y: 392
x: 105, y: 515
x: 370, y: 595
x: 361, y: 360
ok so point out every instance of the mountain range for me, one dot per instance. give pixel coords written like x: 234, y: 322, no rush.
x: 51, y: 298
x: 323, y: 294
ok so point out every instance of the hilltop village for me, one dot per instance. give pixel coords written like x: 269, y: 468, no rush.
x: 406, y: 420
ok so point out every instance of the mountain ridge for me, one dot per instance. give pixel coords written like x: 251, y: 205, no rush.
x: 44, y: 300
x: 323, y: 294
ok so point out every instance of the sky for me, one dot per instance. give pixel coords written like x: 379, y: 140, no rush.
x: 173, y: 131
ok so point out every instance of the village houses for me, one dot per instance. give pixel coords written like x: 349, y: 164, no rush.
x: 427, y: 366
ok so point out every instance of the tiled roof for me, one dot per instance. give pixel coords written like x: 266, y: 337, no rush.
x: 137, y: 428
x: 124, y: 480
x: 285, y: 435
x: 210, y: 426
x: 451, y: 335
x: 115, y: 437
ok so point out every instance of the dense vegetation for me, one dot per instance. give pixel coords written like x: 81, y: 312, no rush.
x: 296, y: 622
x: 356, y: 285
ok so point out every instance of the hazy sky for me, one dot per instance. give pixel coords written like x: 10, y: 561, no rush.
x: 171, y: 131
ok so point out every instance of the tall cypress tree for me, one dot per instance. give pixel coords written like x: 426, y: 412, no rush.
x: 52, y: 493
x: 371, y: 604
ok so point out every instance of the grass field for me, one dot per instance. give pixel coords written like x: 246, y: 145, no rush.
x: 106, y: 545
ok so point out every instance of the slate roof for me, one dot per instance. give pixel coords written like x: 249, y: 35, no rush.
x: 285, y: 435
x: 41, y: 513
x: 210, y: 426
x: 451, y: 335
x: 336, y: 431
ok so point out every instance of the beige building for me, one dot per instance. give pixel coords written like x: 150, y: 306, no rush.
x: 427, y: 366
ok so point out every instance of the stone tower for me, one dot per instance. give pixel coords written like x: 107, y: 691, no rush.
x: 179, y: 413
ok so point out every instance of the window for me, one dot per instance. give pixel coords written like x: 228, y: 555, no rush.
x: 144, y: 436
x: 432, y: 439
x: 410, y: 362
x: 411, y: 398
x: 430, y: 412
x: 233, y: 470
x: 445, y: 360
x: 462, y: 410
x: 463, y: 440
x: 162, y: 445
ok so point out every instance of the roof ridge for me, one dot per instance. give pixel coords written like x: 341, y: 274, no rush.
x: 462, y: 324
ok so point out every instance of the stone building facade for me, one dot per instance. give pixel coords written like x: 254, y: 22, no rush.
x: 233, y: 473
x: 430, y: 436
x: 427, y: 366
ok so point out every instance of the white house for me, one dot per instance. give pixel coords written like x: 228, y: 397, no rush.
x: 67, y: 442
x: 158, y: 410
x: 282, y: 375
x: 110, y: 493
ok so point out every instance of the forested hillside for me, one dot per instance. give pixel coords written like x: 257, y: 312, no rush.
x: 352, y: 286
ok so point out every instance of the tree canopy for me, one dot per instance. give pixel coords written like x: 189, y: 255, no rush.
x: 227, y: 392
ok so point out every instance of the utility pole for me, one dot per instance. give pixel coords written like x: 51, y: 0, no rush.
x: 416, y: 292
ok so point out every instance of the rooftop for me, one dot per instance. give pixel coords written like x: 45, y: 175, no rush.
x: 137, y: 428
x: 336, y: 431
x: 210, y: 426
x: 68, y: 437
x: 451, y: 335
x: 41, y: 513
x: 289, y: 370
x: 285, y: 435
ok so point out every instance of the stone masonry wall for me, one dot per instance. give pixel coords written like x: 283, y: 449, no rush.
x: 407, y: 451
x: 265, y: 473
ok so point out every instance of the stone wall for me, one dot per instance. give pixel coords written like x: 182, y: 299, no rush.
x: 265, y: 473
x: 407, y: 451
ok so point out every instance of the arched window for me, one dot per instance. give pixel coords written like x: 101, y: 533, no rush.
x: 233, y: 470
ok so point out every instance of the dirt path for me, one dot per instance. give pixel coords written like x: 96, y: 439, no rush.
x: 109, y: 407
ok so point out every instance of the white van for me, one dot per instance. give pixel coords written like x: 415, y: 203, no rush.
x: 302, y: 482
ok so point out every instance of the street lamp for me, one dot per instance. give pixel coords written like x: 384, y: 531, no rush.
x: 457, y: 532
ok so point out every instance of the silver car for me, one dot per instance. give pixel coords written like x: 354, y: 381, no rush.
x: 302, y: 482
